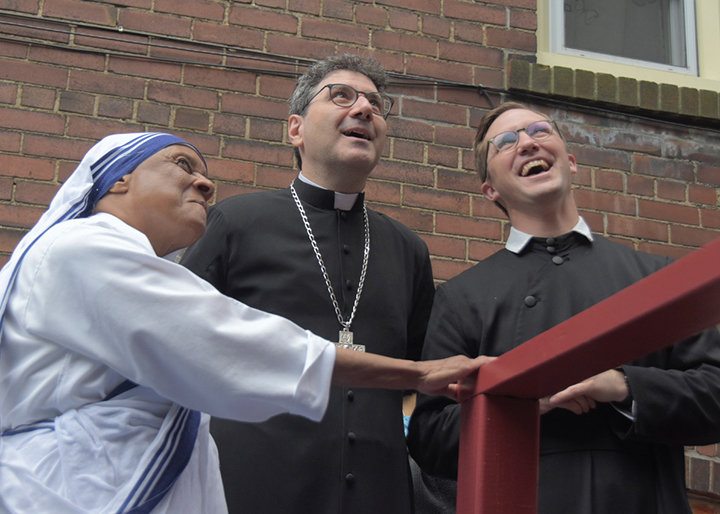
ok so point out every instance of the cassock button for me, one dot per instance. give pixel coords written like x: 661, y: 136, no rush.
x: 348, y: 284
x: 343, y: 214
x: 346, y: 249
x: 551, y: 249
x: 350, y: 395
x: 550, y: 241
x: 530, y: 301
x: 351, y: 437
x: 350, y: 479
x: 557, y: 260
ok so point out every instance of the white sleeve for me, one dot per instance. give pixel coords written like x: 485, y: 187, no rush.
x: 97, y: 289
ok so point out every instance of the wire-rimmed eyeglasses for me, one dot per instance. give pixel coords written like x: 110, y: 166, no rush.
x: 537, y: 130
x: 343, y: 95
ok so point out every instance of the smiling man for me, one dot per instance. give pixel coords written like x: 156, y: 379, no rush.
x: 315, y: 254
x: 613, y: 443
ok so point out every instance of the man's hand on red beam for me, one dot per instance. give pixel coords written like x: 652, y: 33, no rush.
x: 609, y: 386
x: 435, y: 375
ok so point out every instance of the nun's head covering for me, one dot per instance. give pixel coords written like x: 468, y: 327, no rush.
x: 105, y: 163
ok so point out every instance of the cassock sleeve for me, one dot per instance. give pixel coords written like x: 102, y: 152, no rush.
x: 434, y: 433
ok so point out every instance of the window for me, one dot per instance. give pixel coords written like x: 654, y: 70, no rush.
x: 656, y: 34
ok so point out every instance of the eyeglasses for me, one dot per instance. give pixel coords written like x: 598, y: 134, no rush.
x: 538, y: 130
x: 343, y: 95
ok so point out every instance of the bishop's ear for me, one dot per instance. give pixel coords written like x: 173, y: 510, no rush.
x: 295, y: 130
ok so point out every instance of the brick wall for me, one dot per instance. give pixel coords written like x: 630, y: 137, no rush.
x: 218, y: 72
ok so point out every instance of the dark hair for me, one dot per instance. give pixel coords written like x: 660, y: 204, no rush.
x: 307, y: 83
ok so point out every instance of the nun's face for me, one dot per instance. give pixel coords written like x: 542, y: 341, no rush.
x: 171, y: 191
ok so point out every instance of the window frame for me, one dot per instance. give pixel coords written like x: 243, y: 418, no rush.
x: 556, y: 19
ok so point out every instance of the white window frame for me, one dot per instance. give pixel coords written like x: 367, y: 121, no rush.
x: 557, y: 41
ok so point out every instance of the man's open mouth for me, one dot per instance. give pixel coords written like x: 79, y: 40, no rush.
x: 534, y: 168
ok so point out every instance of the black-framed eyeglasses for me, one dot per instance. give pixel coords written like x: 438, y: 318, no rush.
x: 343, y: 95
x: 537, y: 130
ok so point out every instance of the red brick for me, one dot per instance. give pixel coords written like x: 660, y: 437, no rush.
x: 710, y: 218
x: 223, y: 191
x: 115, y: 108
x: 229, y: 80
x: 632, y: 142
x: 147, y: 68
x: 671, y: 190
x: 35, y: 74
x: 228, y: 124
x: 676, y: 252
x: 6, y: 187
x: 413, y: 218
x: 516, y: 39
x: 397, y: 41
x: 601, y: 158
x: 10, y: 141
x: 410, y: 129
x: 470, y: 32
x: 691, y: 236
x: 192, y: 119
x: 597, y: 201
x: 261, y: 19
x: 32, y: 121
x: 94, y: 128
x: 14, y: 50
x: 699, y: 475
x: 427, y: 6
x: 692, y: 150
x: 445, y: 269
x: 436, y: 200
x: 62, y: 57
x: 404, y: 20
x: 708, y: 451
x: 154, y: 23
x: 89, y: 82
x: 640, y: 185
x: 235, y: 171
x: 383, y: 192
x: 424, y: 67
x: 401, y: 172
x: 668, y: 212
x: 480, y: 250
x: 276, y: 87
x: 471, y: 54
x: 180, y: 95
x: 338, y: 9
x: 153, y: 113
x: 432, y: 111
x: 452, y: 247
x: 72, y: 101
x: 271, y: 3
x: 322, y: 29
x: 9, y: 239
x: 93, y: 12
x: 715, y: 486
x: 19, y: 216
x: 454, y: 136
x: 708, y: 174
x: 35, y: 193
x: 121, y: 42
x: 267, y: 130
x: 203, y: 9
x: 27, y: 167
x: 304, y: 6
x: 37, y: 97
x: 475, y: 12
x: 275, y: 155
x: 408, y: 151
x: 254, y: 106
x: 703, y: 194
x: 633, y: 227
x: 28, y: 6
x: 371, y: 15
x: 609, y: 180
x: 435, y: 26
x: 465, y: 226
x: 443, y: 156
x: 293, y: 46
x: 484, y: 208
x: 523, y: 19
x: 275, y: 177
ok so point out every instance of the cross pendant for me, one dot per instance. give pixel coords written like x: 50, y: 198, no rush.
x: 346, y: 341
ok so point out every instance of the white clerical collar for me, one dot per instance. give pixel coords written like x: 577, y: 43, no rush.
x: 343, y: 201
x: 517, y: 240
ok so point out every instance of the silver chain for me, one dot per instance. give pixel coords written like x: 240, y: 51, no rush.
x: 366, y: 255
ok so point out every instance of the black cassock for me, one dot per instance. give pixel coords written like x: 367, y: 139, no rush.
x: 256, y: 250
x: 596, y: 463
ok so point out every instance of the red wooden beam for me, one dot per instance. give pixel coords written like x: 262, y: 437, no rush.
x: 676, y: 302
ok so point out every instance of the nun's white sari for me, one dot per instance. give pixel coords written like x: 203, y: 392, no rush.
x: 93, y: 311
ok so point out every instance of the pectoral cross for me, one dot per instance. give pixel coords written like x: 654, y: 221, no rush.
x: 346, y: 341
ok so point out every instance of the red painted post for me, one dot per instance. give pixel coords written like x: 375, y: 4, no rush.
x: 674, y: 303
